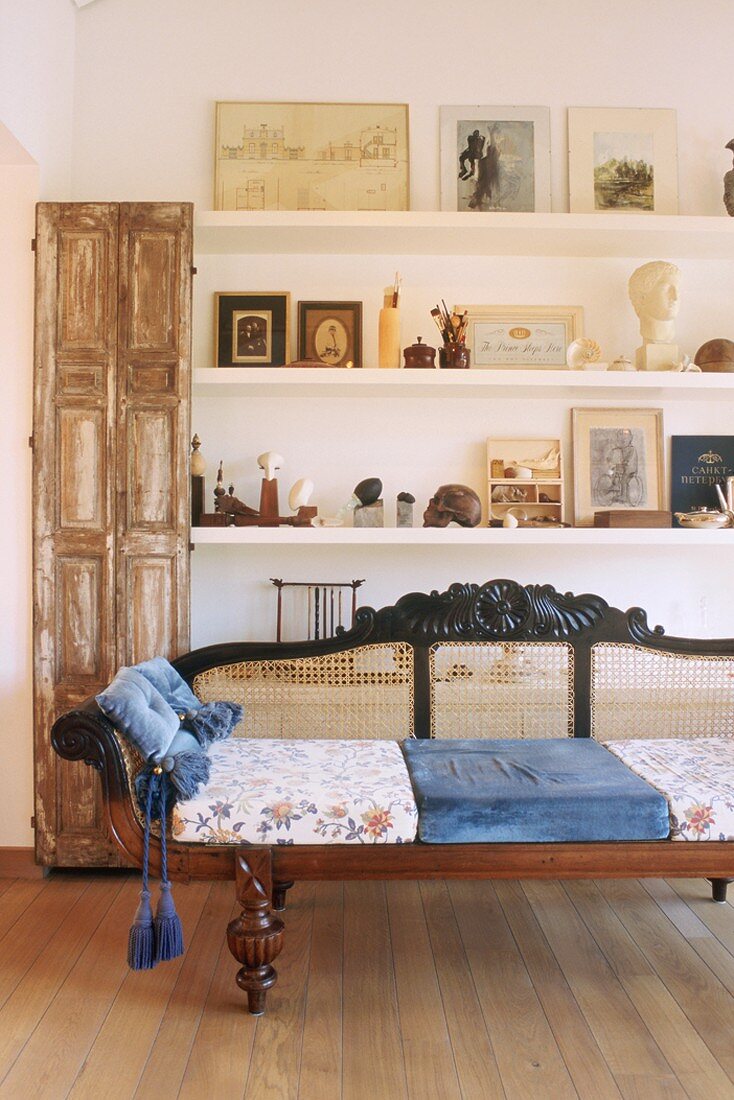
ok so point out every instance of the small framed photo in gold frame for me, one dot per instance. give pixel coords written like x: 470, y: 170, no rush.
x: 251, y: 329
x: 330, y: 333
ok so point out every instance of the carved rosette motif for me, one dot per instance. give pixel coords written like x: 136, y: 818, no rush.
x: 498, y: 610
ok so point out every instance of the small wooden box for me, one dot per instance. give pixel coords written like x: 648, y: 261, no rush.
x: 633, y: 517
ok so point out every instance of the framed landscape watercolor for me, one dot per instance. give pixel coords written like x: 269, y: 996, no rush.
x: 622, y: 160
x: 251, y: 329
x: 311, y: 156
x: 495, y: 158
x: 617, y: 461
x: 521, y: 337
x: 331, y: 333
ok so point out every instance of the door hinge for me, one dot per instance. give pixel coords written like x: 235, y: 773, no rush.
x: 33, y: 822
x: 194, y: 271
x: 30, y: 441
x: 33, y: 244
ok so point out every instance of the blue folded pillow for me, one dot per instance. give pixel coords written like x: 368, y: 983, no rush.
x: 139, y: 711
x: 174, y: 689
x: 160, y: 715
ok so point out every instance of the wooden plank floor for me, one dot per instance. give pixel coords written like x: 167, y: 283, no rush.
x: 394, y: 991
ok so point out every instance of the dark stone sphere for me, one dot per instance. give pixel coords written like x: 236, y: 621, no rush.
x: 369, y: 490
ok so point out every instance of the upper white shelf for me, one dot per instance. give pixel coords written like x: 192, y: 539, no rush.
x: 564, y: 384
x: 446, y: 233
x: 458, y: 536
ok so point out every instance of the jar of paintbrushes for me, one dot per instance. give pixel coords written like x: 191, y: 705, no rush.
x: 453, y: 353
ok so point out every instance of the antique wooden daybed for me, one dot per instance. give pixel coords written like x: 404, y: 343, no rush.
x: 499, y: 660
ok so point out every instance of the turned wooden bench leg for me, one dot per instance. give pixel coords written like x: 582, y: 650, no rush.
x: 255, y: 938
x: 718, y: 888
x: 280, y: 889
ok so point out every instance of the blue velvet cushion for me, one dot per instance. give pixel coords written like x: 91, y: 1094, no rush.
x: 560, y: 789
x: 139, y: 710
x: 174, y: 689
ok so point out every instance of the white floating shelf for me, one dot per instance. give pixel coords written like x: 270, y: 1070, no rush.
x: 323, y: 381
x: 457, y: 536
x: 446, y: 233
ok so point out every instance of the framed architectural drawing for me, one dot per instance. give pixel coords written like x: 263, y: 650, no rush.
x: 495, y: 158
x: 251, y: 329
x: 622, y: 160
x: 521, y: 337
x: 617, y: 461
x: 331, y: 333
x: 311, y: 156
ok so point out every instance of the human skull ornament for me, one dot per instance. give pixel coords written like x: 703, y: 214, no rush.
x: 453, y: 503
x: 270, y: 462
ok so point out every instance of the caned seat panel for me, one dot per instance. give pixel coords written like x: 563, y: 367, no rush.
x: 644, y: 693
x: 361, y: 693
x: 501, y: 689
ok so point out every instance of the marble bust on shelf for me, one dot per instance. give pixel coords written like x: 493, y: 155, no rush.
x: 654, y: 293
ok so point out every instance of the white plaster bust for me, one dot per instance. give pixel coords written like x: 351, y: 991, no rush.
x: 654, y: 293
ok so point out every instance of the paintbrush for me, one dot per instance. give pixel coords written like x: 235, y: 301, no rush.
x: 438, y: 318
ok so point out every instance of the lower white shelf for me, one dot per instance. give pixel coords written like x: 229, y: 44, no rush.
x: 457, y: 536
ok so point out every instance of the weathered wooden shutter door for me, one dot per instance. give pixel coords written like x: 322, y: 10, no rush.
x: 74, y: 462
x: 111, y: 485
x: 153, y: 390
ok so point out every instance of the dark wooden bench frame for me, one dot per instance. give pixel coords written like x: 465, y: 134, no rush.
x: 500, y: 610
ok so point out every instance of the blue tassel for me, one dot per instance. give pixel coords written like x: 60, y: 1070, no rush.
x: 167, y: 926
x: 169, y: 942
x: 141, y: 939
x: 189, y: 771
x: 212, y: 721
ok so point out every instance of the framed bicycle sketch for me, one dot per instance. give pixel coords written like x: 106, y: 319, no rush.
x: 617, y: 461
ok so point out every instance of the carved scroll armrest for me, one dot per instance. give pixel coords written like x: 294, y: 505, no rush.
x: 86, y: 734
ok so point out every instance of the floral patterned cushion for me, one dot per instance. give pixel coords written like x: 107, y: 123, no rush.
x: 301, y: 792
x: 696, y: 777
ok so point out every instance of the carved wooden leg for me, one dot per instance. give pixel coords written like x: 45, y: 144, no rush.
x: 718, y: 888
x: 280, y: 889
x: 255, y: 938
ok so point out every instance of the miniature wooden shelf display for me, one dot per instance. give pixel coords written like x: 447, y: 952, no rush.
x: 525, y: 480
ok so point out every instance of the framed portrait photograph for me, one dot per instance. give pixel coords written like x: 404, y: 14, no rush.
x: 495, y: 158
x: 521, y: 337
x: 330, y: 333
x: 622, y: 160
x: 251, y: 329
x: 617, y: 461
x: 311, y: 156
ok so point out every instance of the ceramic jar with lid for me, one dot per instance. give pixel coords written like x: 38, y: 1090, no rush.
x: 420, y: 355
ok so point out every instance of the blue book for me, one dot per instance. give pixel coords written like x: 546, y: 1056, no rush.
x: 697, y: 464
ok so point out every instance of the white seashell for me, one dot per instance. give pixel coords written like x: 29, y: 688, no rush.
x: 300, y: 494
x: 581, y: 352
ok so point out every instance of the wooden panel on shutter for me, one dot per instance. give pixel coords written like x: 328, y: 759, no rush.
x: 153, y: 393
x: 74, y: 447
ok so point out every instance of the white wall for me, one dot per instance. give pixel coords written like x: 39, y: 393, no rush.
x: 174, y: 58
x: 18, y: 194
x: 149, y: 71
x: 37, y: 43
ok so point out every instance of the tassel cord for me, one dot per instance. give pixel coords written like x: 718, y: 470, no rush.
x: 164, y: 846
x: 146, y: 839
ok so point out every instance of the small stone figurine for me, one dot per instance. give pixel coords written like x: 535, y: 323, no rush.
x: 405, y: 509
x: 368, y: 507
x: 729, y: 184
